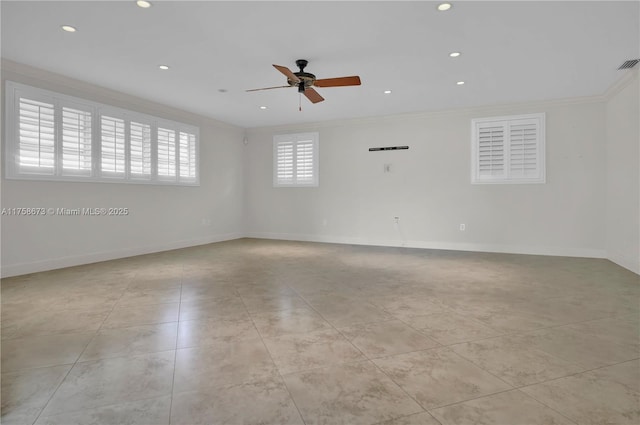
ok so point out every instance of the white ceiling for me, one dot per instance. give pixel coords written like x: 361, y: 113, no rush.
x: 511, y: 52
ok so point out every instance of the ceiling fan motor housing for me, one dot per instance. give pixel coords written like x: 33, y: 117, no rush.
x: 306, y: 79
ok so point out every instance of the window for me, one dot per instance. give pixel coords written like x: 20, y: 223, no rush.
x: 36, y: 141
x: 51, y: 136
x: 508, y: 149
x: 76, y: 141
x: 166, y: 153
x: 112, y: 146
x: 140, y: 150
x: 188, y: 156
x: 295, y: 159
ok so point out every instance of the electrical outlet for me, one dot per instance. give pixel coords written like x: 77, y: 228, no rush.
x: 396, y: 219
x: 462, y: 227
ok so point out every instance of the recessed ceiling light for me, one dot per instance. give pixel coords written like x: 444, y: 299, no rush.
x: 163, y: 67
x: 444, y: 6
x: 69, y: 28
x: 387, y: 92
x: 460, y: 83
x: 144, y: 4
x: 454, y: 54
x: 263, y: 107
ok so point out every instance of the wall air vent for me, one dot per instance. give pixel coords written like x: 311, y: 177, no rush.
x: 629, y: 64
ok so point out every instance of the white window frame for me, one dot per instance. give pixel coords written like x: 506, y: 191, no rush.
x: 296, y: 138
x: 14, y: 91
x: 506, y: 121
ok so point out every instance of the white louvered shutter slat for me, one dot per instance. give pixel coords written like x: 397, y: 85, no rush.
x: 166, y: 153
x: 187, y: 156
x: 523, y: 139
x: 36, y: 135
x: 112, y: 132
x: 304, y: 162
x: 76, y: 141
x: 139, y: 150
x: 491, y: 155
x: 284, y: 163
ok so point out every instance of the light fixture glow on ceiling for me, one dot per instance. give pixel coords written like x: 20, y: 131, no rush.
x: 444, y: 6
x: 68, y: 28
x: 263, y: 107
x: 163, y: 67
x: 387, y: 92
x: 460, y: 83
x: 454, y: 54
x: 144, y: 4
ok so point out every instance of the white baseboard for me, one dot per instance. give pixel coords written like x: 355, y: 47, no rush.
x: 453, y: 246
x: 9, y: 270
x: 57, y: 263
x: 625, y: 261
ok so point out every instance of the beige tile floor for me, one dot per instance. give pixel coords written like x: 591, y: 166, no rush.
x: 274, y: 332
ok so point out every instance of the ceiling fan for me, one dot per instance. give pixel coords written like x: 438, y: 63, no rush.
x: 305, y: 81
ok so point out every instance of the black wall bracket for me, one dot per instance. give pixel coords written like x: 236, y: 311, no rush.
x: 389, y: 148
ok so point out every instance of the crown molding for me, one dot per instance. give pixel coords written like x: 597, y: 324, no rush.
x: 627, y: 78
x: 485, y: 110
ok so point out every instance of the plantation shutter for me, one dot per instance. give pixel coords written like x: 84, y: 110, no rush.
x: 284, y: 163
x: 304, y: 162
x: 36, y: 147
x: 295, y: 159
x: 76, y: 141
x: 491, y: 155
x: 523, y: 141
x: 140, y: 150
x: 166, y: 153
x: 508, y: 149
x: 55, y: 137
x: 187, y: 156
x: 112, y: 146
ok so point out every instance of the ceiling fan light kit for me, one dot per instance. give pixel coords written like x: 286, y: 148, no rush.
x: 305, y: 81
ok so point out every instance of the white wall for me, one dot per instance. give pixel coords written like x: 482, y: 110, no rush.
x: 161, y: 217
x: 429, y: 187
x: 586, y: 205
x: 623, y: 175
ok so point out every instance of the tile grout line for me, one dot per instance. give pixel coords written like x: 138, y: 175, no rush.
x: 519, y: 388
x: 494, y: 394
x: 525, y: 333
x: 272, y: 360
x: 514, y: 333
x: 365, y: 356
x: 442, y: 346
x: 578, y: 373
x: 547, y: 406
x: 385, y: 422
x: 175, y: 351
x: 95, y: 333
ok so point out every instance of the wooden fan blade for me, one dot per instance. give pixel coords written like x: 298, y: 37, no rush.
x: 338, y: 82
x: 286, y: 71
x: 269, y: 88
x: 313, y: 95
